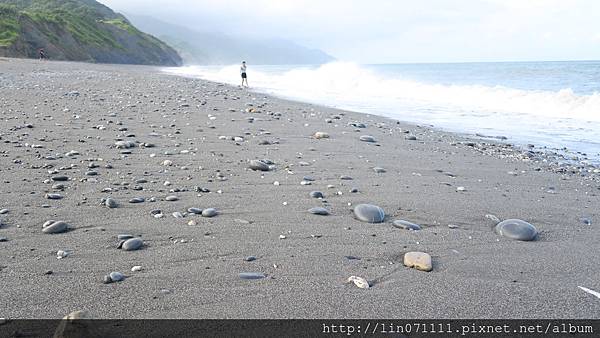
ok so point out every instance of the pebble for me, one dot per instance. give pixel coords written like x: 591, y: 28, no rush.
x: 136, y: 268
x: 116, y: 276
x: 402, y: 224
x: 124, y: 237
x: 250, y: 258
x: 369, y: 213
x: 60, y: 254
x: 367, y: 138
x: 3, y: 211
x: 319, y: 211
x: 492, y: 218
x: 132, y: 244
x: 258, y: 165
x: 54, y: 196
x: 516, y: 229
x: 252, y: 275
x: 60, y: 178
x: 111, y: 203
x: 418, y: 260
x: 379, y: 170
x: 359, y: 282
x: 320, y: 135
x: 196, y: 211
x: 210, y: 212
x: 137, y: 200
x: 171, y: 198
x: 124, y: 144
x: 316, y: 194
x: 55, y: 227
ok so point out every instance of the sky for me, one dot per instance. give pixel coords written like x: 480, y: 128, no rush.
x: 396, y: 31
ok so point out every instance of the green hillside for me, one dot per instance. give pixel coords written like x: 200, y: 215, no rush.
x: 78, y: 30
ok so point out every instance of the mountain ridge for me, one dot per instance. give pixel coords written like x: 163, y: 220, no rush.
x: 77, y: 30
x: 216, y: 48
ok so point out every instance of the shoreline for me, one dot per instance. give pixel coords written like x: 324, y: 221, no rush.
x: 569, y: 156
x: 65, y: 130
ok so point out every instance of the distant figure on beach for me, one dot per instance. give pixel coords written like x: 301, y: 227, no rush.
x: 243, y: 73
x: 42, y: 54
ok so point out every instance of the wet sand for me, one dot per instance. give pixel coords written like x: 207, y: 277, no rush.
x: 58, y: 118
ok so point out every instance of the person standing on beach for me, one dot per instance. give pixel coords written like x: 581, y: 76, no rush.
x: 243, y: 73
x: 42, y: 54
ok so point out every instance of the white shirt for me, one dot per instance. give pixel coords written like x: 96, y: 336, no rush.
x: 243, y: 69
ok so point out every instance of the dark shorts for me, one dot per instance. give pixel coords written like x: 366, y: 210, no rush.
x: 244, y: 76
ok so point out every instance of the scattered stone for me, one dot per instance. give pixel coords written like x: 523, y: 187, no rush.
x: 250, y: 258
x: 116, y: 276
x: 3, y: 211
x: 369, y: 213
x: 136, y: 268
x: 60, y: 254
x: 402, y: 224
x: 418, y: 260
x: 171, y: 198
x: 137, y: 200
x: 124, y: 237
x: 54, y: 196
x: 252, y: 275
x: 210, y: 212
x: 111, y: 203
x: 60, y: 178
x: 196, y: 211
x: 319, y: 211
x: 132, y: 244
x: 359, y: 282
x: 379, y: 170
x: 492, y: 218
x: 258, y: 165
x: 320, y: 135
x: 367, y: 138
x: 316, y: 194
x: 55, y: 227
x: 124, y: 144
x: 516, y: 229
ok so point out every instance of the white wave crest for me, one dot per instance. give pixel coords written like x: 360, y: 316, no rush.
x: 350, y: 85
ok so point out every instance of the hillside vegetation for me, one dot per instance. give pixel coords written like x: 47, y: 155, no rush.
x: 79, y: 30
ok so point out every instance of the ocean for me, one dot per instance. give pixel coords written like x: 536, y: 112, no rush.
x: 547, y: 104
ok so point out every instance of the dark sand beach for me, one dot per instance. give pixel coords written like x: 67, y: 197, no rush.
x: 88, y: 132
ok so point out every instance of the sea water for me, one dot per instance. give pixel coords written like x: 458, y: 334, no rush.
x: 547, y: 104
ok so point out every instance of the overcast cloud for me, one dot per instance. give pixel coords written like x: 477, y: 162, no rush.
x: 388, y: 31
